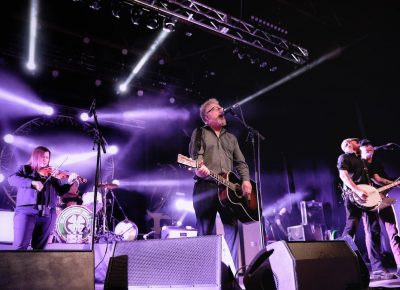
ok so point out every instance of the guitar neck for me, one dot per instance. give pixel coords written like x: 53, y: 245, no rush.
x: 222, y: 180
x: 386, y: 187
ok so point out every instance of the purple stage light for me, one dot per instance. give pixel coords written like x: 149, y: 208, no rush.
x: 113, y: 149
x: 84, y: 117
x: 1, y: 178
x: 184, y: 205
x: 8, y: 138
x: 48, y: 111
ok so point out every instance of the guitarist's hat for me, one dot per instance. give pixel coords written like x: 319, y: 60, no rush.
x: 365, y: 142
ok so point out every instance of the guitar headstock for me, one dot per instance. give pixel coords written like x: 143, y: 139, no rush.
x: 189, y: 162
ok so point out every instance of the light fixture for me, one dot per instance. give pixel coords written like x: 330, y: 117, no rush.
x: 152, y: 22
x: 136, y: 15
x: 95, y: 4
x: 169, y: 24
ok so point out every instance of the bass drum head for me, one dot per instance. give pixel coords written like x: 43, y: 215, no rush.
x: 73, y: 224
x: 127, y: 230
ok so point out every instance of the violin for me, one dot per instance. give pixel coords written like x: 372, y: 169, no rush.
x: 59, y: 174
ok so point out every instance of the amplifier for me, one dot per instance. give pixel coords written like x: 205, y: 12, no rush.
x: 168, y: 232
x: 308, y: 232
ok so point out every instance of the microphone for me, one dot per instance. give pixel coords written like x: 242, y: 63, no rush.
x: 388, y: 146
x: 92, y: 108
x: 230, y: 110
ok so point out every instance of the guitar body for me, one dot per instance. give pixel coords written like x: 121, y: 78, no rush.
x: 243, y: 208
x: 376, y: 200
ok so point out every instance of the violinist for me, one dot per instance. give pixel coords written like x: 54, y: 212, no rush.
x: 38, y: 187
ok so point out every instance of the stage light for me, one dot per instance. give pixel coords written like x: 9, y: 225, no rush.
x: 1, y: 178
x: 95, y: 4
x: 169, y: 24
x: 31, y: 64
x: 112, y: 149
x: 48, y: 111
x: 8, y: 138
x: 160, y: 38
x: 152, y: 22
x: 116, y: 8
x: 115, y: 181
x: 136, y: 15
x: 263, y: 64
x: 84, y: 117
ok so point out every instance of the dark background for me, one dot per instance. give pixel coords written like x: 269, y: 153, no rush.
x: 304, y: 120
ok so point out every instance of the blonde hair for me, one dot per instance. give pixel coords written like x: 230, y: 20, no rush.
x: 37, y: 153
x: 204, y: 106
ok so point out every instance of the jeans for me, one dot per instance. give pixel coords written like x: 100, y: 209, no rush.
x: 372, y: 227
x: 388, y: 218
x: 206, y: 205
x: 30, y: 227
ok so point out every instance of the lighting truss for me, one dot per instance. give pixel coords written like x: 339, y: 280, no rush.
x: 224, y: 25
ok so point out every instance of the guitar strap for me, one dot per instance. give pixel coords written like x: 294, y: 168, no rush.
x: 199, y: 133
x: 366, y: 172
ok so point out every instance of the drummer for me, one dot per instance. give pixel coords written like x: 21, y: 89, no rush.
x: 72, y: 197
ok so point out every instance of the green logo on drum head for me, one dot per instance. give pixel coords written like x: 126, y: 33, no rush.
x: 74, y: 223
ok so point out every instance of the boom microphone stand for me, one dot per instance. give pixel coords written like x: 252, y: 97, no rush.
x: 100, y: 142
x: 252, y: 133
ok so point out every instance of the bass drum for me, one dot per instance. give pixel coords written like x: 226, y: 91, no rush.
x: 127, y: 230
x: 73, y: 224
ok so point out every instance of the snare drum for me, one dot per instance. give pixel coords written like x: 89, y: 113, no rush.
x: 127, y: 229
x: 73, y: 224
x: 87, y: 200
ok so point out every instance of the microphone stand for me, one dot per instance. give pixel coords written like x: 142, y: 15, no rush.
x: 256, y: 160
x: 99, y: 141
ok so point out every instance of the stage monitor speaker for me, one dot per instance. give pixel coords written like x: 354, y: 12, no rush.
x: 46, y: 270
x: 328, y: 265
x: 259, y: 275
x: 177, y: 264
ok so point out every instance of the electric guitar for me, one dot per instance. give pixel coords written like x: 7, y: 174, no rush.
x: 230, y: 194
x: 377, y: 199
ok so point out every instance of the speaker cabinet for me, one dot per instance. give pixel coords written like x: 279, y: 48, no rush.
x: 328, y: 265
x: 184, y: 263
x: 46, y: 270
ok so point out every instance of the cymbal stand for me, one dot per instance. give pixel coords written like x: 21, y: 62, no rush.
x: 119, y: 205
x: 106, y: 234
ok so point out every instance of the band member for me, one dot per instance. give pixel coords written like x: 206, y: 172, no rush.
x: 217, y: 150
x: 352, y: 172
x: 386, y: 215
x: 35, y: 212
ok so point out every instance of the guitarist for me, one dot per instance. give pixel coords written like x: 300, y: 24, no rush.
x: 352, y: 172
x: 217, y: 150
x: 386, y: 215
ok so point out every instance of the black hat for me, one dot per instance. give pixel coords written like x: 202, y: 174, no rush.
x: 365, y: 142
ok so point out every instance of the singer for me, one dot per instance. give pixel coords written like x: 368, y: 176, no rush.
x: 218, y: 150
x: 35, y: 213
x: 386, y: 215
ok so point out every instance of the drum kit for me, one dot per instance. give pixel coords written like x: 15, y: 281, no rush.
x: 75, y: 216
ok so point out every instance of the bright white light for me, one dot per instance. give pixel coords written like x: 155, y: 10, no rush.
x: 185, y: 205
x: 1, y: 178
x: 113, y: 149
x: 48, y: 111
x: 31, y: 65
x: 160, y: 38
x: 123, y: 87
x: 9, y: 138
x: 178, y: 223
x: 84, y: 117
x: 115, y: 181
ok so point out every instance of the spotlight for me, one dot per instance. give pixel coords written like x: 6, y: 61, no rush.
x: 1, y: 178
x: 113, y: 149
x: 95, y: 4
x: 123, y: 88
x: 30, y: 65
x: 136, y: 15
x: 48, y: 111
x: 263, y: 64
x: 169, y: 24
x: 152, y: 22
x: 116, y: 181
x: 116, y: 8
x: 8, y: 138
x: 84, y: 117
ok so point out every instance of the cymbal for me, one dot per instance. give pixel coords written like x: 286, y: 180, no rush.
x: 108, y: 185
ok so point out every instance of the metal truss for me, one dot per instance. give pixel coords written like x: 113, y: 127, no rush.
x: 224, y: 25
